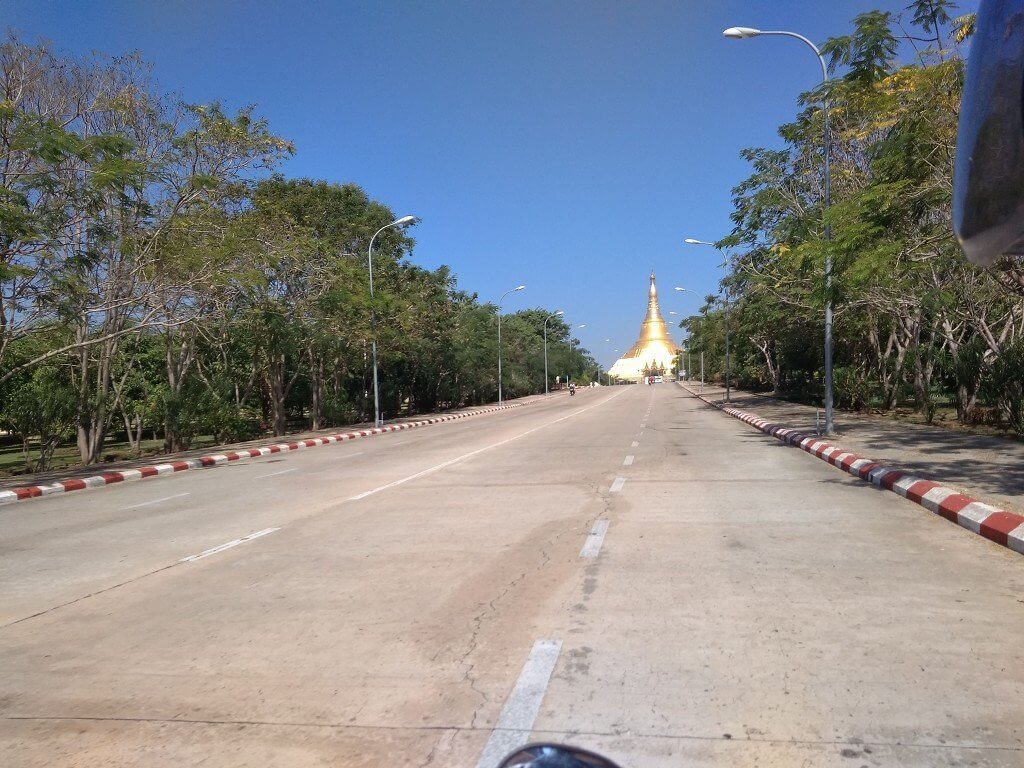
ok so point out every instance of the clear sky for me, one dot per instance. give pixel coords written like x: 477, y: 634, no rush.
x: 570, y: 146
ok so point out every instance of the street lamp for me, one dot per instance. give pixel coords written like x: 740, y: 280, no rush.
x: 725, y: 266
x: 553, y: 314
x: 506, y: 293
x: 688, y: 369
x: 742, y: 33
x: 377, y: 421
x: 692, y: 242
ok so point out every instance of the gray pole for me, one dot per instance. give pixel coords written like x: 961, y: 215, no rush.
x: 377, y: 421
x: 829, y: 394
x: 373, y: 333
x: 703, y: 338
x: 545, y: 357
x: 727, y: 339
x: 501, y: 398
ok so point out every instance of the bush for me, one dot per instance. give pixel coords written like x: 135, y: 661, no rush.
x: 41, y: 405
x: 853, y: 390
x: 1007, y: 385
x: 230, y: 423
x: 337, y: 409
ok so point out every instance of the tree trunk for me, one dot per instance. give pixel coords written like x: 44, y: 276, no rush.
x: 317, y: 387
x: 924, y: 365
x: 277, y: 393
x: 92, y: 402
x: 176, y: 364
x: 774, y: 370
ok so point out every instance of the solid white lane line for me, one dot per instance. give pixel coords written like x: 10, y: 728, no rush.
x: 634, y: 444
x: 229, y: 545
x: 274, y: 474
x: 592, y: 546
x: 463, y: 457
x: 522, y: 705
x: 157, y: 501
x: 617, y: 484
x: 627, y: 461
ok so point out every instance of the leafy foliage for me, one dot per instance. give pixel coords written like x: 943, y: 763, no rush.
x: 914, y: 321
x: 157, y: 277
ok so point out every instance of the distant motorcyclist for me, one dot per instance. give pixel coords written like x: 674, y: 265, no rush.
x: 572, y: 388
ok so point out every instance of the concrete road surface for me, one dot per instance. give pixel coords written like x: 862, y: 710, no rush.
x: 626, y: 569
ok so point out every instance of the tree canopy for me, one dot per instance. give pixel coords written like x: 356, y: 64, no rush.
x: 160, y: 277
x: 914, y: 321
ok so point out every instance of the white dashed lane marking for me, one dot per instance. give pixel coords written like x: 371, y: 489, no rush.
x: 627, y: 461
x: 592, y: 546
x: 522, y: 705
x: 617, y: 484
x: 229, y: 545
x: 275, y: 474
x: 157, y: 501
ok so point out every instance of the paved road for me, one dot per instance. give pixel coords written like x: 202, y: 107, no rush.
x: 746, y: 605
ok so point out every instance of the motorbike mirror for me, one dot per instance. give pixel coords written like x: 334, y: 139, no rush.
x: 988, y: 181
x: 555, y: 756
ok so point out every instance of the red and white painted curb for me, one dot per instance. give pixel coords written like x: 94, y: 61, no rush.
x: 1000, y: 526
x: 142, y: 473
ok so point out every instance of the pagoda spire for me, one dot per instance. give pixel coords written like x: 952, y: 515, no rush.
x: 655, y: 347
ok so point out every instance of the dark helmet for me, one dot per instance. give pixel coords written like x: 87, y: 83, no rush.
x: 988, y: 184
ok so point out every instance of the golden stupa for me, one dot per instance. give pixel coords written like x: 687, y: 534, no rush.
x: 654, y: 350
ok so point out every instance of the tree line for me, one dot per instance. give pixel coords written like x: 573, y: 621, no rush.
x: 915, y: 323
x: 161, y: 279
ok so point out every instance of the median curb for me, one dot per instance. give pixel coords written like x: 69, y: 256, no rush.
x: 201, y: 462
x: 995, y: 524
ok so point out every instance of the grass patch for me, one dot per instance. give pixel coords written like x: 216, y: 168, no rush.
x: 906, y: 412
x: 12, y: 460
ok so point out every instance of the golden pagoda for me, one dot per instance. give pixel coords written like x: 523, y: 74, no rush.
x: 654, y: 350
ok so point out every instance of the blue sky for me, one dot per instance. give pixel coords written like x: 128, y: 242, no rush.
x: 570, y: 146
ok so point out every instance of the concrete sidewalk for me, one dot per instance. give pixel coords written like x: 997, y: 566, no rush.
x: 990, y: 468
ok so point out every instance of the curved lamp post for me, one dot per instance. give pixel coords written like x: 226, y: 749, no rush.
x: 553, y: 314
x: 676, y: 314
x: 742, y: 33
x: 692, y: 241
x: 377, y: 421
x: 501, y: 398
x: 725, y: 267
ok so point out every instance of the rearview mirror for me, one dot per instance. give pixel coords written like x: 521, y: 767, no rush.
x: 988, y: 182
x: 555, y: 756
